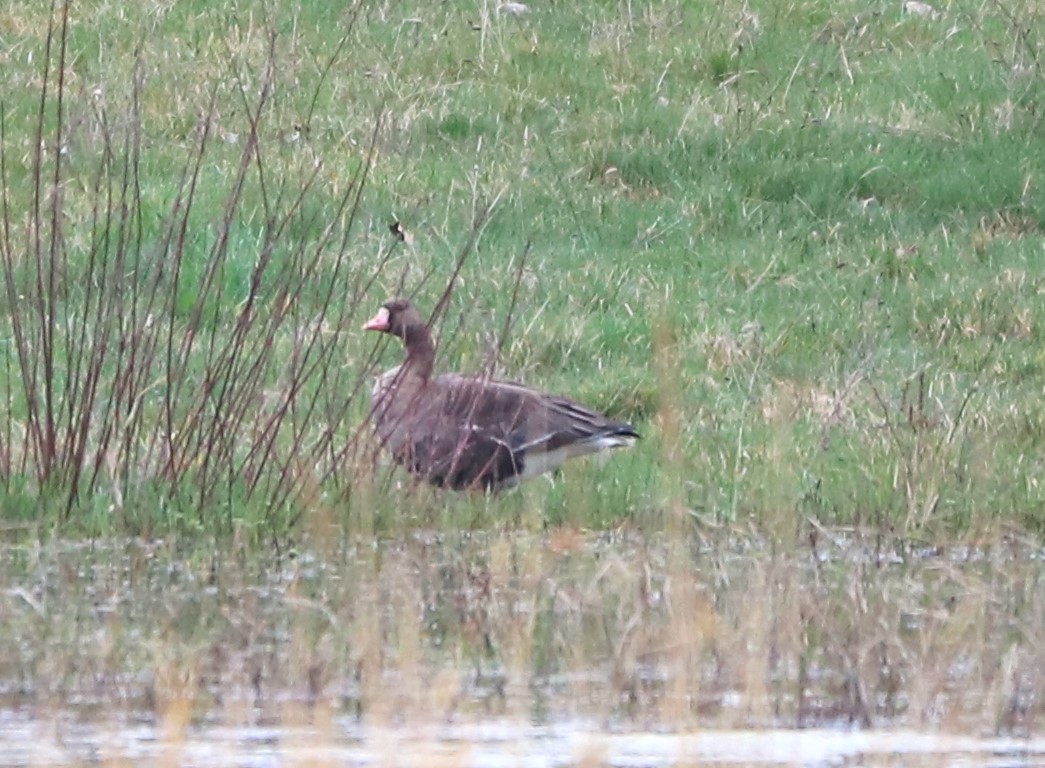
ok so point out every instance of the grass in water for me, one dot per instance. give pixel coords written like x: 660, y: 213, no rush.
x: 631, y: 631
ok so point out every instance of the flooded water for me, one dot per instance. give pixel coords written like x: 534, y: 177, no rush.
x: 530, y: 649
x: 495, y: 744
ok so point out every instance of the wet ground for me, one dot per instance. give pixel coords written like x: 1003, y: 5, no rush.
x: 532, y: 649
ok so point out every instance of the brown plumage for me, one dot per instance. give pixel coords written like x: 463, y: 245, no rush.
x: 464, y: 432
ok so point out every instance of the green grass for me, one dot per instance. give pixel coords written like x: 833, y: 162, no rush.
x: 801, y: 245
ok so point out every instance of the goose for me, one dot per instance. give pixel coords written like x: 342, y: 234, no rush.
x: 474, y: 432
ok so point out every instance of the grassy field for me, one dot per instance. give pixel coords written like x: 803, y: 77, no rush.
x: 800, y: 246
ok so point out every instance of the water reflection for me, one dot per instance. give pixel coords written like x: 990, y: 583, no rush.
x: 493, y: 744
x: 520, y: 648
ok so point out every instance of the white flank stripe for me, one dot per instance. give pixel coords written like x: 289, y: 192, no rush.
x: 548, y: 461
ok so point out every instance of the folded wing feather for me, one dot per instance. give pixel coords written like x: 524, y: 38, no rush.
x: 474, y: 432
